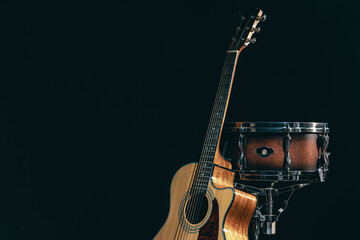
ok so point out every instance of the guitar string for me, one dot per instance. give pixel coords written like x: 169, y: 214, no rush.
x: 217, y: 106
x: 215, y: 125
x: 220, y: 105
x: 216, y: 134
x: 178, y: 228
x: 199, y: 169
x: 209, y: 148
x: 211, y: 124
x: 198, y: 185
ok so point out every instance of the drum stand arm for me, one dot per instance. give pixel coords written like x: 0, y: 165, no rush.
x: 267, y: 221
x: 261, y: 191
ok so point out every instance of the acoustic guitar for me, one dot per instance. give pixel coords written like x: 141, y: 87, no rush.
x: 203, y: 202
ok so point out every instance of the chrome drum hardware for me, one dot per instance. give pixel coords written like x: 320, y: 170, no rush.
x: 272, y: 160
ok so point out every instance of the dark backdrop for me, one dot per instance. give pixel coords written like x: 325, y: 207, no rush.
x: 101, y: 103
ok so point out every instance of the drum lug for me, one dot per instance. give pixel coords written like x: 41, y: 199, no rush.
x: 321, y: 174
x: 322, y: 145
x: 242, y: 142
x: 324, y: 151
x: 286, y: 148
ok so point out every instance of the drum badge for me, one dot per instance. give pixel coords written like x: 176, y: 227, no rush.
x: 264, y: 151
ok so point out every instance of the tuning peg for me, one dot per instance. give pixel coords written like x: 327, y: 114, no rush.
x: 263, y: 18
x: 253, y: 40
x: 256, y: 30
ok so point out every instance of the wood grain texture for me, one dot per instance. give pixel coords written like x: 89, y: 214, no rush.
x: 239, y: 216
x: 219, y: 160
x: 232, y: 222
x: 303, y: 151
x: 222, y: 178
x: 242, y: 209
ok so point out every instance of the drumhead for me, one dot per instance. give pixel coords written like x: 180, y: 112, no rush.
x: 277, y: 127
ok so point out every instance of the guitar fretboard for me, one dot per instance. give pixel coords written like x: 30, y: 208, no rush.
x: 205, y: 166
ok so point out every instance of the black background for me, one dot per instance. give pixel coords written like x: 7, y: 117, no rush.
x: 101, y: 103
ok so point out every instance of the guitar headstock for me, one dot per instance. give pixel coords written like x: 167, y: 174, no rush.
x: 244, y: 32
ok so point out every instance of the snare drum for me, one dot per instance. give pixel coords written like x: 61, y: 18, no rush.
x: 276, y: 146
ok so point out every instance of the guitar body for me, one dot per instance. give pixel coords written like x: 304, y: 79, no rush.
x: 226, y: 215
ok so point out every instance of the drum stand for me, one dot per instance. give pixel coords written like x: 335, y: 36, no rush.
x: 282, y: 177
x: 266, y: 215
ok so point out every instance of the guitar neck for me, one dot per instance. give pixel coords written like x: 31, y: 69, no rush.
x: 213, y: 133
x: 220, y: 106
x: 241, y: 39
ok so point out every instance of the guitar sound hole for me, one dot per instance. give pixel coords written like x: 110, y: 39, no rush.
x: 196, y: 208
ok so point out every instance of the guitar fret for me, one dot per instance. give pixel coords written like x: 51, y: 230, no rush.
x: 208, y: 146
x: 207, y: 160
x: 217, y: 125
x: 205, y: 165
x: 221, y: 103
x: 208, y: 156
x: 204, y: 176
x: 205, y: 169
x: 211, y: 142
x: 212, y: 138
x: 203, y: 180
x: 209, y: 151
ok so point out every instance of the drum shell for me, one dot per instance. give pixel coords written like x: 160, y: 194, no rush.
x: 304, y: 151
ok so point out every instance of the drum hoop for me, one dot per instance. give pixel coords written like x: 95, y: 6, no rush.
x: 318, y: 175
x: 277, y: 127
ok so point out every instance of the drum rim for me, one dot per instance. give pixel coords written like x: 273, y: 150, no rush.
x: 317, y: 175
x: 276, y: 127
